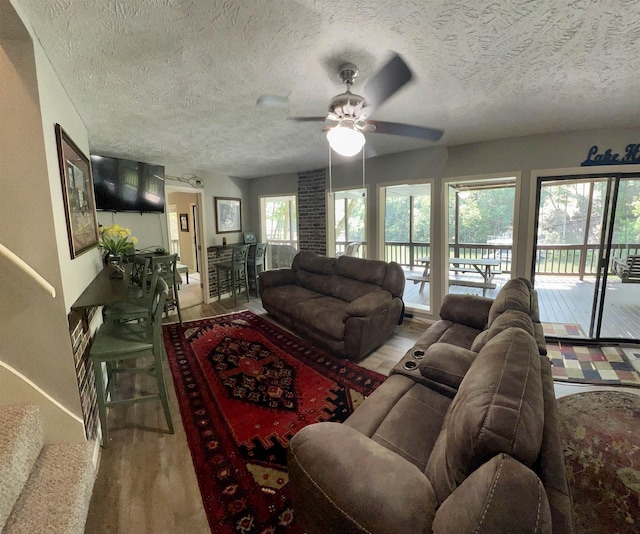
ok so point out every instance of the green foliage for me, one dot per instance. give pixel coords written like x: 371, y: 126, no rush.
x: 483, y: 214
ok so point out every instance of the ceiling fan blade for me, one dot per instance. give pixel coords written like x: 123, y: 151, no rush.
x: 395, y: 128
x: 273, y: 101
x: 389, y: 79
x: 308, y: 119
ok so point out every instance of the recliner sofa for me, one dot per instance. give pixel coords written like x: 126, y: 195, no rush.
x: 347, y: 305
x: 462, y: 436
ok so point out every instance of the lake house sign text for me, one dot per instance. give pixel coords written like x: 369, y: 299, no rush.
x: 631, y: 156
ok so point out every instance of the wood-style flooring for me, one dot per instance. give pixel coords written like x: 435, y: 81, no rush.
x: 146, y: 482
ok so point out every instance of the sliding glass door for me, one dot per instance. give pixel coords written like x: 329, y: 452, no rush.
x: 587, y: 232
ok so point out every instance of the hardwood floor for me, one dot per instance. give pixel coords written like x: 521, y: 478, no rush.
x: 146, y: 482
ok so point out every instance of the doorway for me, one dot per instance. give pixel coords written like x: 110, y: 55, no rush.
x: 587, y: 230
x: 184, y: 238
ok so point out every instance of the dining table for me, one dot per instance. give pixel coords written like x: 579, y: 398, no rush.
x: 103, y: 291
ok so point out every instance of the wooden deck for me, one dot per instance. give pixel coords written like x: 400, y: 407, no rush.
x: 562, y: 300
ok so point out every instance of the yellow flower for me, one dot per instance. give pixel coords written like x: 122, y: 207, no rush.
x: 116, y: 239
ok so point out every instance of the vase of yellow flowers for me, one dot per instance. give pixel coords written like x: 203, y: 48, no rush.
x: 117, y: 242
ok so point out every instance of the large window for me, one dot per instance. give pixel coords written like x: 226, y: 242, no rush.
x: 407, y: 237
x: 350, y: 219
x: 480, y: 229
x: 279, y: 228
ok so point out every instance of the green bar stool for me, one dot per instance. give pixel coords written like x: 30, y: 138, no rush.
x: 115, y: 343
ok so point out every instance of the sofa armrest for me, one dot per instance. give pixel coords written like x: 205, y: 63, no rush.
x: 277, y: 277
x: 446, y: 364
x: 343, y: 481
x: 502, y: 495
x: 468, y: 310
x: 367, y: 304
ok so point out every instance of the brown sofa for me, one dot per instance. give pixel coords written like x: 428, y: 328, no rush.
x: 347, y: 305
x: 462, y: 436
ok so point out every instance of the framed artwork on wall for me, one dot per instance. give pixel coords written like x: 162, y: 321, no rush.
x: 228, y: 215
x: 184, y: 222
x: 77, y: 193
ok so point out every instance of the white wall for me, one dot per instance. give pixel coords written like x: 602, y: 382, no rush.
x: 34, y: 330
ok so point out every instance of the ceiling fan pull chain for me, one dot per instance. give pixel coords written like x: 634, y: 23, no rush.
x: 330, y: 189
x: 364, y: 192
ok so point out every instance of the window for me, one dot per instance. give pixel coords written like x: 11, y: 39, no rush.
x: 407, y: 237
x: 350, y: 219
x: 279, y: 228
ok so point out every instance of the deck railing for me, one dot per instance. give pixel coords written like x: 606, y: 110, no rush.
x: 569, y: 260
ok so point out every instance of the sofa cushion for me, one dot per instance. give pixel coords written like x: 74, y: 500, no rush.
x: 514, y: 295
x: 285, y: 298
x: 324, y: 314
x: 314, y: 263
x: 411, y: 426
x: 349, y: 290
x: 498, y: 409
x: 501, y: 496
x: 459, y: 335
x: 446, y: 364
x: 344, y: 482
x: 320, y: 283
x: 370, y: 271
x: 469, y: 310
x: 480, y: 341
x: 507, y: 319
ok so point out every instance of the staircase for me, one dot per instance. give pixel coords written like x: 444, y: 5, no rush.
x: 42, y: 487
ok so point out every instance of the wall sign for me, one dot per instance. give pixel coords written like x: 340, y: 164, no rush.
x: 631, y: 156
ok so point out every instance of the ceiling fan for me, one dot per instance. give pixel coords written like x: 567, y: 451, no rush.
x: 348, y: 118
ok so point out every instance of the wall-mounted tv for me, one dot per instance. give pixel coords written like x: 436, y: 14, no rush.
x: 123, y: 185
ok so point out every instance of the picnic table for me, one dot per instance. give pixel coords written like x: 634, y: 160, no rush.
x: 485, y: 267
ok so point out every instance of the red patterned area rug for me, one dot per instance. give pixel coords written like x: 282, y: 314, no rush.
x: 245, y: 387
x: 600, y: 432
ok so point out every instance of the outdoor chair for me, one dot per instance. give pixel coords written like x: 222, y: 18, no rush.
x: 351, y: 248
x: 628, y: 269
x: 236, y: 267
x: 116, y: 343
x: 256, y: 258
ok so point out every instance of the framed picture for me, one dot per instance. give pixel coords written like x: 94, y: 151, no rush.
x: 228, y: 215
x: 77, y: 193
x: 184, y: 222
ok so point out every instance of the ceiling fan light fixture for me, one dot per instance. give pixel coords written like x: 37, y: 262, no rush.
x: 345, y: 140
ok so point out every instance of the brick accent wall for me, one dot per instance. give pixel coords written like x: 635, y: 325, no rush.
x: 312, y: 216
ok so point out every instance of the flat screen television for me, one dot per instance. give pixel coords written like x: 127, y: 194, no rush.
x: 124, y: 185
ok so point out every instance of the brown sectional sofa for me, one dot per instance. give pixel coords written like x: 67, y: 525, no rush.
x: 462, y: 436
x: 347, y: 305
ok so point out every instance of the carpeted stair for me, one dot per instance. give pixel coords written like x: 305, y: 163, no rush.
x: 43, y: 488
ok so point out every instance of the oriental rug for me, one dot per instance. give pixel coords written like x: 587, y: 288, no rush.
x: 245, y: 386
x: 599, y: 432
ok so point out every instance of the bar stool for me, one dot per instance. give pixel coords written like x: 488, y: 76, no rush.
x: 167, y: 266
x: 257, y: 258
x: 115, y: 343
x: 237, y: 267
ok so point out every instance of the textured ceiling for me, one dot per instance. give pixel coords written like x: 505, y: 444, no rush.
x: 176, y: 82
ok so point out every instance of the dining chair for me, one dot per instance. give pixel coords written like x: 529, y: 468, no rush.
x: 255, y: 259
x: 116, y: 343
x: 167, y: 265
x: 236, y: 267
x: 136, y: 305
